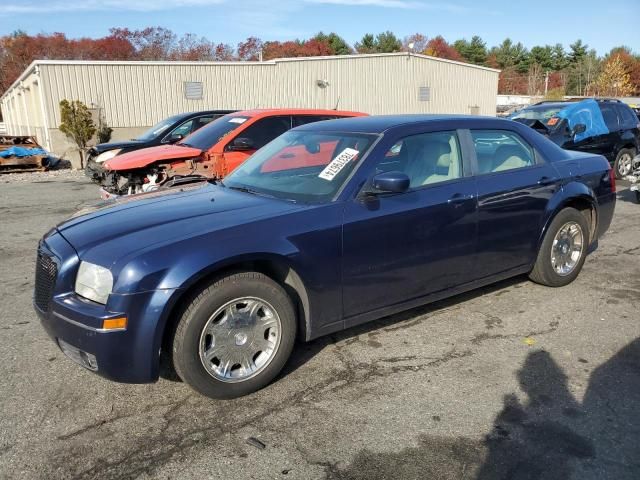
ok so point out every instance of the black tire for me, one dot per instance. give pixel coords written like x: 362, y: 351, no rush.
x: 623, y: 161
x: 186, y: 341
x: 543, y: 271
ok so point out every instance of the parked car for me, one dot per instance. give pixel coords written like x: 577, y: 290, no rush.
x: 618, y: 139
x: 168, y: 131
x: 330, y: 225
x: 211, y: 152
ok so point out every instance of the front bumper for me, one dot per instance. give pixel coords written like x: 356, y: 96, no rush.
x: 128, y: 355
x: 94, y: 170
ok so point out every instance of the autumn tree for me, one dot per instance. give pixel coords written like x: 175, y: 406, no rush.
x: 614, y: 80
x: 77, y: 124
x: 337, y: 44
x: 438, y: 47
x: 250, y: 49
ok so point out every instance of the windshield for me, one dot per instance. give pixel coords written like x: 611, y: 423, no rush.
x: 302, y: 166
x: 541, y: 112
x: 158, y: 129
x: 212, y: 133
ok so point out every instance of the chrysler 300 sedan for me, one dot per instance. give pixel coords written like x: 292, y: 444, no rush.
x: 328, y: 226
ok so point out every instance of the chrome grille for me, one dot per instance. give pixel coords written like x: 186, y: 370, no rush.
x: 46, y: 272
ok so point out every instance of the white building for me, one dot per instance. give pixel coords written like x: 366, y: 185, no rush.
x: 132, y: 96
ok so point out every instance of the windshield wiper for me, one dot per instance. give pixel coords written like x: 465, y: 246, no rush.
x: 250, y: 191
x: 243, y: 189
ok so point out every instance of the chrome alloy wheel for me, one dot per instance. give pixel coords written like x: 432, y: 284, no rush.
x: 566, y: 248
x: 624, y: 164
x: 240, y: 339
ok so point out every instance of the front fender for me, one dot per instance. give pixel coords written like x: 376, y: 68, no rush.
x: 567, y: 194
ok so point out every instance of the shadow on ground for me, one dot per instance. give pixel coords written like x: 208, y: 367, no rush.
x: 548, y: 436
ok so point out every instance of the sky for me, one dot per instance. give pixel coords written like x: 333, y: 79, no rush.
x: 601, y: 24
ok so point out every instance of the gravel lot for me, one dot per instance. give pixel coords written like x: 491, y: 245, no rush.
x: 514, y: 381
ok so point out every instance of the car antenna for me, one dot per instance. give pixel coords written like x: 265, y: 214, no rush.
x: 337, y: 103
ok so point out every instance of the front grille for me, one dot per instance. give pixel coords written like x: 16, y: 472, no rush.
x: 46, y: 272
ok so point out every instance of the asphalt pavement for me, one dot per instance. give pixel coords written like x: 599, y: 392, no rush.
x: 513, y: 381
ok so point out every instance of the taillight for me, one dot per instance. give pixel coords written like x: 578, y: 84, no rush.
x: 612, y: 179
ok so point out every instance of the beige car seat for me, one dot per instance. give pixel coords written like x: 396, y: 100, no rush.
x: 429, y: 163
x: 508, y: 157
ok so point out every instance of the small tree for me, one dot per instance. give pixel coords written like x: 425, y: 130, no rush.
x: 104, y: 131
x: 77, y: 124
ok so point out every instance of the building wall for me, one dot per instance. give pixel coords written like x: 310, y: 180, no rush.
x: 135, y: 95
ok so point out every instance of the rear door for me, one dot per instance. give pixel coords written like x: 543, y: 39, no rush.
x: 399, y: 247
x: 610, y: 140
x: 514, y: 187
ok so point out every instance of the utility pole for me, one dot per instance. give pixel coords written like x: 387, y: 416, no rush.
x: 546, y: 82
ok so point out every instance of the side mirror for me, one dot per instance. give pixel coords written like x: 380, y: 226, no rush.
x: 241, y: 144
x: 391, y: 182
x: 174, y: 137
x: 578, y: 129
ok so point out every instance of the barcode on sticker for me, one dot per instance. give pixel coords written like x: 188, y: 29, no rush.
x: 338, y: 163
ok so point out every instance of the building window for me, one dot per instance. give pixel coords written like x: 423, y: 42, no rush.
x: 193, y: 90
x: 424, y: 94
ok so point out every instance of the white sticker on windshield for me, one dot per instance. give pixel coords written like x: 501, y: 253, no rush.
x: 338, y: 163
x: 237, y: 120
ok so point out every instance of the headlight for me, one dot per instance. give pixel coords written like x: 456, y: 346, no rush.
x: 94, y: 282
x: 109, y: 154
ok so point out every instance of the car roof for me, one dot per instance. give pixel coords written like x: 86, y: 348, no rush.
x: 203, y: 112
x: 383, y: 123
x: 272, y: 112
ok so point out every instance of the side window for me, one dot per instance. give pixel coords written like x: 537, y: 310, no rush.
x: 184, y: 129
x: 610, y: 116
x: 499, y: 150
x: 265, y: 130
x: 304, y: 119
x: 200, y: 122
x: 426, y: 158
x: 628, y: 119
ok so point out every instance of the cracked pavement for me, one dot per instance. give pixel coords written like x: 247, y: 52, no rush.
x: 511, y: 381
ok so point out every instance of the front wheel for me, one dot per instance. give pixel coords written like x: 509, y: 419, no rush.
x: 563, y: 249
x: 235, y: 335
x: 623, y: 163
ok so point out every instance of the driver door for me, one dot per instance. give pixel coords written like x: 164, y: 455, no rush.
x: 259, y: 134
x: 405, y: 246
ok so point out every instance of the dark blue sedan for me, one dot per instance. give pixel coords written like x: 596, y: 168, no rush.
x: 330, y: 225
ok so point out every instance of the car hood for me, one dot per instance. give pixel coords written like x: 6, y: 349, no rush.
x: 146, y: 156
x: 105, y: 147
x: 112, y: 229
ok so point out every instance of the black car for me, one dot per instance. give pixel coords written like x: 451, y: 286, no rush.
x: 618, y: 140
x: 168, y: 131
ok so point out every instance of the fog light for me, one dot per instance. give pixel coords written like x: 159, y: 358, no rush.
x: 85, y: 359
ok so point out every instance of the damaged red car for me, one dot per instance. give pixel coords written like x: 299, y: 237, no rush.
x: 211, y: 152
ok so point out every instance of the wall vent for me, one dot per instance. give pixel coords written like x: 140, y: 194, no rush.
x: 193, y: 90
x: 424, y: 94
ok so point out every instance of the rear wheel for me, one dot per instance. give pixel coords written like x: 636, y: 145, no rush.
x: 623, y: 163
x: 235, y: 336
x: 563, y: 249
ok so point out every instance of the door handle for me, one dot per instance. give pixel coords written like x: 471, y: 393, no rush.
x: 547, y: 180
x: 459, y: 199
